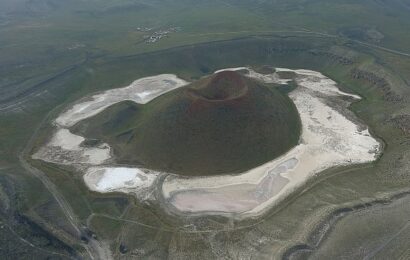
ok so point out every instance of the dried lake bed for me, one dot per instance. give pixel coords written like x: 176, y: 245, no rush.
x: 331, y: 136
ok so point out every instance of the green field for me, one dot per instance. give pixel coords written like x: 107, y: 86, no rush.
x: 54, y: 52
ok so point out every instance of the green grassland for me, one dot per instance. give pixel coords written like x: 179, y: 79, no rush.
x: 41, y: 74
x: 41, y: 38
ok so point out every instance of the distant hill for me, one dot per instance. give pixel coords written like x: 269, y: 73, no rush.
x: 43, y: 7
x: 224, y: 123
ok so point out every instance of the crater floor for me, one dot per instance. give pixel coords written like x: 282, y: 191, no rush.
x: 331, y: 136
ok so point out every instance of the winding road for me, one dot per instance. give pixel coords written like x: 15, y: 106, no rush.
x: 94, y: 249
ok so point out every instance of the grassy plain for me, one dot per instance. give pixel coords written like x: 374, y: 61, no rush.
x: 52, y: 55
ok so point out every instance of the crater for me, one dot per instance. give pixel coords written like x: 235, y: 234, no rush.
x: 223, y: 86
